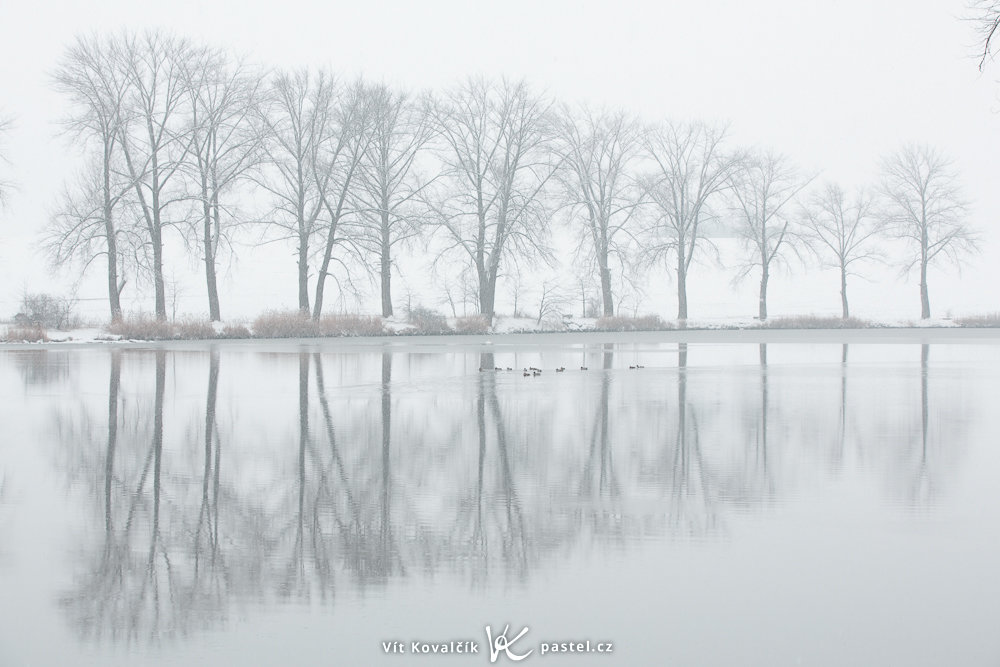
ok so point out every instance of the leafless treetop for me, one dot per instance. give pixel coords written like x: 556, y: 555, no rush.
x: 985, y: 15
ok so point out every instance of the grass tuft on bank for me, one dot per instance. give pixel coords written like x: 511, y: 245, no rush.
x: 27, y: 333
x: 816, y: 322
x: 987, y: 320
x: 296, y: 324
x: 641, y: 323
x: 140, y: 326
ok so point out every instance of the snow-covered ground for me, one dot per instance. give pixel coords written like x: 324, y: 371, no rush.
x: 524, y: 325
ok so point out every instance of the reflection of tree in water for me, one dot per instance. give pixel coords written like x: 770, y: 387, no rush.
x: 598, y: 476
x: 681, y: 475
x: 211, y: 578
x: 131, y: 591
x: 182, y: 538
x: 915, y: 426
x: 746, y: 454
x: 345, y: 506
x: 842, y: 420
x: 498, y: 530
x: 160, y: 569
x: 922, y: 487
x: 758, y: 471
x: 599, y: 484
x: 41, y: 367
x: 692, y: 503
x: 939, y: 431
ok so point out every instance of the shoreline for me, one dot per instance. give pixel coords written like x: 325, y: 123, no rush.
x: 750, y: 335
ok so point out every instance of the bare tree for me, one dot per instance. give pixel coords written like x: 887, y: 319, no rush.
x: 517, y: 291
x: 496, y: 165
x: 925, y: 208
x: 763, y: 187
x: 84, y: 229
x: 295, y: 124
x: 399, y: 130
x: 632, y: 293
x: 552, y: 301
x: 223, y: 96
x: 338, y: 159
x: 599, y: 151
x: 91, y: 77
x: 985, y: 16
x: 154, y: 138
x: 692, y: 169
x: 584, y: 282
x: 314, y: 134
x: 842, y: 231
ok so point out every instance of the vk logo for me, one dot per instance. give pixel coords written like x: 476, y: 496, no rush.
x: 501, y: 643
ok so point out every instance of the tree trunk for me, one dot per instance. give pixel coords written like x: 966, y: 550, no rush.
x: 209, y: 245
x: 606, y: 297
x: 303, y: 274
x: 487, y: 290
x: 762, y: 302
x: 487, y: 294
x: 158, y: 285
x: 114, y: 294
x: 321, y: 281
x: 682, y: 296
x: 114, y: 291
x: 324, y: 269
x: 925, y: 301
x: 156, y: 232
x: 386, y: 267
x: 843, y: 292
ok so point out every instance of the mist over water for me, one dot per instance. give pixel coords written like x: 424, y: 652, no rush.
x: 694, y: 503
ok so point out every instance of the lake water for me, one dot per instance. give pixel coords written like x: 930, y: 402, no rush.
x: 728, y: 503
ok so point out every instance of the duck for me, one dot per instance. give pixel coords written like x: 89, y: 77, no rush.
x: 583, y: 368
x: 560, y: 369
x: 527, y: 374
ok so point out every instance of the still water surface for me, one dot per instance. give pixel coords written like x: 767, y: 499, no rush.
x: 285, y: 504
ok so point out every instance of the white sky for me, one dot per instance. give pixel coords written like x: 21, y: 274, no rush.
x: 833, y: 84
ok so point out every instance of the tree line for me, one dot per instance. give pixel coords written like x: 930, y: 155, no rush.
x: 188, y: 140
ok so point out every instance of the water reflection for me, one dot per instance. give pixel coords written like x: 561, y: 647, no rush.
x: 598, y: 475
x: 42, y: 367
x: 921, y: 489
x: 349, y: 471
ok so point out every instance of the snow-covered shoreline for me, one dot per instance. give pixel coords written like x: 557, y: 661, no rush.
x: 518, y: 330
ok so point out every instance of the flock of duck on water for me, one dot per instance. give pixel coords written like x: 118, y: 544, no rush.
x: 531, y: 371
